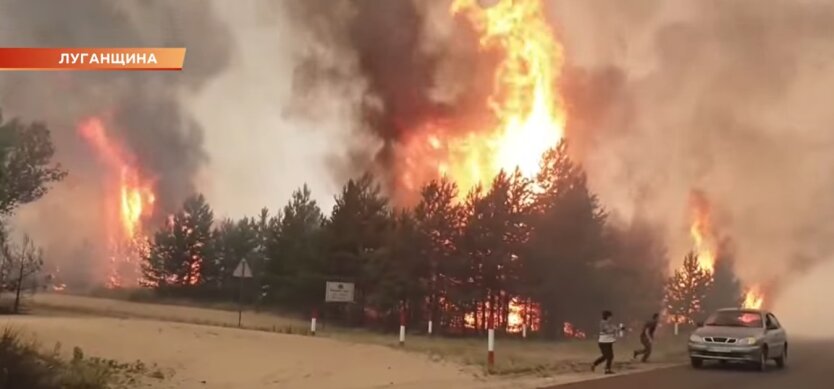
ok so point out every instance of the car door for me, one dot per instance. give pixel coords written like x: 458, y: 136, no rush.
x: 775, y: 335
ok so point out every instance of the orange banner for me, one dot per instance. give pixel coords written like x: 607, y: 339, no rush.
x: 91, y: 58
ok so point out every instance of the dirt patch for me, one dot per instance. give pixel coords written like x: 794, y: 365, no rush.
x: 218, y: 358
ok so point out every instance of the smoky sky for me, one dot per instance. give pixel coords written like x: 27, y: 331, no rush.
x: 663, y: 98
x: 142, y: 110
x: 726, y: 97
x: 394, y: 60
x: 143, y: 107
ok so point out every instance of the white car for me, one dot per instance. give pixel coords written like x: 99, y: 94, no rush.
x: 739, y: 335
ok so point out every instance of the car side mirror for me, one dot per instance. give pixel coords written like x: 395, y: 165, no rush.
x: 699, y: 324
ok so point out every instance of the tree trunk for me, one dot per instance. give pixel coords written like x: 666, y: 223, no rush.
x: 18, y: 287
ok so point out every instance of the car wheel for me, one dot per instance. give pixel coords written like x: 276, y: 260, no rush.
x: 763, y: 359
x: 783, y: 359
x: 697, y: 362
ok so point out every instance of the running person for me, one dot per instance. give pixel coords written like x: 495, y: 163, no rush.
x: 607, y: 337
x: 647, y: 338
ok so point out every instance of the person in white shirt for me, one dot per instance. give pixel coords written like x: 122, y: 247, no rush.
x: 607, y: 337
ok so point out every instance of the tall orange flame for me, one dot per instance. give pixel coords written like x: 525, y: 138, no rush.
x: 529, y: 115
x: 754, y: 298
x: 701, y: 231
x: 131, y: 200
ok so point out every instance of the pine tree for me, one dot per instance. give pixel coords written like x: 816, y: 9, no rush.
x: 294, y: 253
x: 438, y: 219
x: 567, y: 247
x: 233, y: 242
x: 495, y: 231
x: 725, y: 290
x: 686, y: 291
x: 398, y: 272
x: 181, y: 252
x: 356, y: 230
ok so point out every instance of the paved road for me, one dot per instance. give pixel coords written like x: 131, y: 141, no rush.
x: 811, y: 366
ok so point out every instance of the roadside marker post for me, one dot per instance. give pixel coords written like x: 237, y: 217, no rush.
x: 242, y: 271
x: 430, y: 327
x: 402, y: 327
x: 491, y: 343
x: 524, y: 331
x: 676, y: 328
x: 313, y: 322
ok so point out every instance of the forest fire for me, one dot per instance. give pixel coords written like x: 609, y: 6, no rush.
x: 570, y: 331
x: 701, y: 231
x: 754, y: 298
x: 129, y: 203
x: 528, y: 115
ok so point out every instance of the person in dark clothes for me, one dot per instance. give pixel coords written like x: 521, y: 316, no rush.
x: 647, y: 338
x: 607, y: 337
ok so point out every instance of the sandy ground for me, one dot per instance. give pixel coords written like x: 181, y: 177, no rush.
x: 199, y: 348
x: 220, y: 358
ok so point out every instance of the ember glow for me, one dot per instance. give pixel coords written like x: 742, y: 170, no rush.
x: 129, y: 202
x: 702, y: 232
x: 528, y: 112
x: 753, y: 298
x: 570, y: 331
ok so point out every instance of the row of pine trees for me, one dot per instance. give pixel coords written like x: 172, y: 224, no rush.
x: 457, y: 259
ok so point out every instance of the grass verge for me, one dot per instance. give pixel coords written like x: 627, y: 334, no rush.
x: 23, y: 365
x: 514, y: 356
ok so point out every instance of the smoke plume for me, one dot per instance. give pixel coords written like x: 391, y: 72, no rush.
x: 663, y: 97
x: 141, y: 110
x: 725, y: 96
x: 402, y: 65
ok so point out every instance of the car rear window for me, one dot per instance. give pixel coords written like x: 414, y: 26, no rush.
x: 735, y: 319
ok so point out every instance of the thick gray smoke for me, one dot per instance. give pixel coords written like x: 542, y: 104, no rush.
x: 142, y: 110
x: 664, y: 97
x: 730, y: 97
x: 404, y: 64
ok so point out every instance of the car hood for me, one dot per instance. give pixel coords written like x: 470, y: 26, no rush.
x: 730, y: 332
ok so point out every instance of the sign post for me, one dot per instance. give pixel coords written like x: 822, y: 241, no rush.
x: 242, y: 271
x: 338, y: 292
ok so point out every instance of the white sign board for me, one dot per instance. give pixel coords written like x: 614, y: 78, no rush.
x: 243, y: 270
x: 338, y: 292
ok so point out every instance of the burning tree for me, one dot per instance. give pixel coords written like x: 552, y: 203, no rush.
x: 176, y: 257
x: 686, y: 291
x: 129, y: 201
x: 439, y: 220
x: 567, y: 243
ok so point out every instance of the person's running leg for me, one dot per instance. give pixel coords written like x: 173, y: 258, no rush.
x: 602, y: 357
x: 641, y: 351
x: 648, y: 352
x: 609, y: 356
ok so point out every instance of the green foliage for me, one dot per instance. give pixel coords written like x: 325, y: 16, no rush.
x: 448, y: 260
x: 181, y: 253
x: 26, y: 170
x: 566, y: 266
x: 294, y: 248
x: 24, y: 366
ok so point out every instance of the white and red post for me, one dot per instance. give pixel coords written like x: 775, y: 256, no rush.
x: 491, y: 343
x: 402, y: 327
x: 313, y: 322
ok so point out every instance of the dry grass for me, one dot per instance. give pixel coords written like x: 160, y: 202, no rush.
x: 513, y: 355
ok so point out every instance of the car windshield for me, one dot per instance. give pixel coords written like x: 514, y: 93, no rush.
x: 735, y: 319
